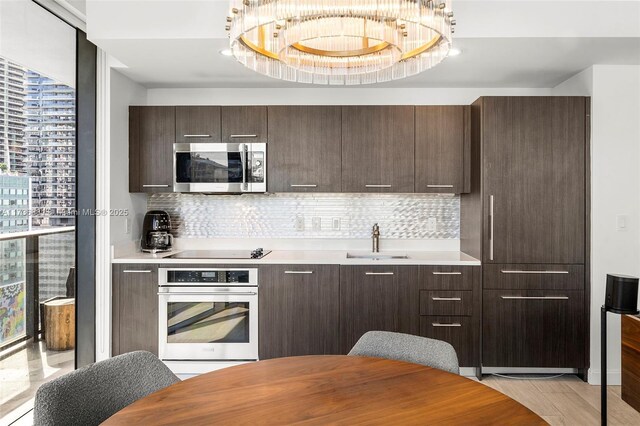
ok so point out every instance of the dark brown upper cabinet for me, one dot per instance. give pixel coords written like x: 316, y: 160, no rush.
x: 442, y: 149
x: 198, y: 124
x: 305, y: 148
x: 534, y: 179
x: 244, y: 124
x: 378, y: 148
x: 299, y: 310
x: 151, y: 135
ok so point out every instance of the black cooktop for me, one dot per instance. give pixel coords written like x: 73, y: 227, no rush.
x: 220, y: 254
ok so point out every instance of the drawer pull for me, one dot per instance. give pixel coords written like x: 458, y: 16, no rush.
x: 437, y: 324
x: 535, y: 272
x: 304, y: 186
x: 243, y: 136
x: 155, y: 186
x: 447, y: 273
x: 535, y: 297
x: 447, y: 299
x: 133, y: 271
x: 378, y: 273
x: 377, y: 186
x: 439, y: 186
x: 197, y: 136
x: 299, y: 272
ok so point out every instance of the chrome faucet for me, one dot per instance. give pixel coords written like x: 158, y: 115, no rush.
x: 375, y: 235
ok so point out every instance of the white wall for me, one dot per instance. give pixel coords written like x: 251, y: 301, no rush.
x: 124, y: 92
x: 615, y: 190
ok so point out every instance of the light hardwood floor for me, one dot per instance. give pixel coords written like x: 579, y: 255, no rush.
x: 566, y: 400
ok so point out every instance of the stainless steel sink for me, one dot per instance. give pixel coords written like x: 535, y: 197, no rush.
x: 376, y: 256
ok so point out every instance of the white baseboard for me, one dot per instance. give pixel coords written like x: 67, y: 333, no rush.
x: 468, y: 371
x: 527, y: 370
x: 614, y: 377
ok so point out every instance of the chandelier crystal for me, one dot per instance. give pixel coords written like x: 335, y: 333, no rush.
x: 340, y: 41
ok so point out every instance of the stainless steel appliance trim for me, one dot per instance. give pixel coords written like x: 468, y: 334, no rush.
x: 243, y: 136
x: 303, y: 185
x: 448, y: 299
x: 196, y: 136
x: 209, y: 293
x: 437, y: 324
x: 299, y: 272
x: 155, y: 186
x: 244, y: 158
x: 534, y: 272
x: 447, y: 273
x: 162, y: 277
x: 439, y: 186
x: 491, y: 206
x: 134, y: 271
x: 379, y: 273
x: 535, y: 297
x: 377, y: 186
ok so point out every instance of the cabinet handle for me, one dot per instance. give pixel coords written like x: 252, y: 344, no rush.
x: 299, y: 272
x: 491, y: 203
x: 377, y: 186
x: 535, y: 297
x: 447, y: 273
x: 304, y: 186
x: 534, y: 272
x: 155, y: 186
x: 134, y: 271
x: 448, y: 299
x: 211, y: 293
x: 378, y: 273
x: 196, y: 136
x: 437, y: 324
x: 439, y: 186
x: 243, y: 136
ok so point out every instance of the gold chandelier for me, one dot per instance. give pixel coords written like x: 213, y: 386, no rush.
x: 340, y: 41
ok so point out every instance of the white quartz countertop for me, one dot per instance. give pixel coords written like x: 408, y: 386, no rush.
x: 320, y: 257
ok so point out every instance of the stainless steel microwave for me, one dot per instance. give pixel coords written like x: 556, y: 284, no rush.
x: 220, y: 167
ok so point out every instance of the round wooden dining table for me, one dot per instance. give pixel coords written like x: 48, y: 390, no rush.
x: 326, y: 390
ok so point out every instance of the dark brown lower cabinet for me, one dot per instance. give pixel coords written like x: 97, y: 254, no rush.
x: 134, y: 294
x: 383, y: 298
x: 456, y: 330
x: 533, y: 328
x: 298, y: 309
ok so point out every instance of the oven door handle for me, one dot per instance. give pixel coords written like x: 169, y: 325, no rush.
x: 217, y: 293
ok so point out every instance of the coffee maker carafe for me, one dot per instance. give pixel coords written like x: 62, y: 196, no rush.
x: 156, y: 232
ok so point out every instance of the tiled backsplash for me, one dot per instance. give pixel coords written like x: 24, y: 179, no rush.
x: 400, y: 216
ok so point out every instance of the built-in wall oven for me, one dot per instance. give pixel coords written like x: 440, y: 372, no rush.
x: 208, y: 314
x: 220, y: 167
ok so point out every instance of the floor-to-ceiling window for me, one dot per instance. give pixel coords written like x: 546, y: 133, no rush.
x: 37, y: 201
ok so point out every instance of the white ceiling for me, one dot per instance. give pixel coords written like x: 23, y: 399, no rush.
x: 175, y: 43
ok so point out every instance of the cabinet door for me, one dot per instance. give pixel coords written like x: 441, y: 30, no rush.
x: 305, y: 148
x: 442, y: 144
x: 244, y: 124
x: 534, y: 179
x: 151, y: 136
x: 134, y: 308
x: 384, y: 298
x: 197, y: 124
x: 458, y: 331
x: 533, y: 328
x: 377, y: 148
x: 298, y: 308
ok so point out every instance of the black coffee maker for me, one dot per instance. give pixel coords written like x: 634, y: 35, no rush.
x: 156, y: 232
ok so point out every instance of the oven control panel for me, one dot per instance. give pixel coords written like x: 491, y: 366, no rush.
x: 208, y: 276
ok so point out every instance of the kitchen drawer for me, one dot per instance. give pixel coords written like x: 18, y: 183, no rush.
x: 448, y: 277
x: 440, y: 302
x: 533, y: 277
x: 458, y: 331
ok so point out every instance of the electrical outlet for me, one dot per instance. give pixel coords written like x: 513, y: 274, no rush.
x: 316, y: 223
x: 299, y: 223
x: 432, y: 224
x: 335, y: 224
x: 127, y: 226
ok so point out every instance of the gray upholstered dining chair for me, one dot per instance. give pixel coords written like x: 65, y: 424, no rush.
x: 92, y: 394
x: 405, y: 347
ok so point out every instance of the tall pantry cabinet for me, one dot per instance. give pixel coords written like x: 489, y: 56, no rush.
x: 526, y: 218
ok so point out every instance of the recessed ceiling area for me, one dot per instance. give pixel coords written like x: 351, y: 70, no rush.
x: 518, y: 44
